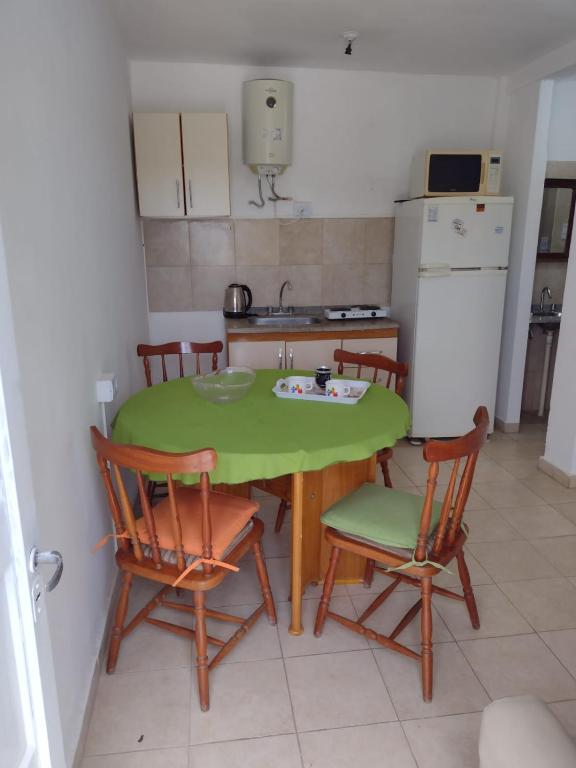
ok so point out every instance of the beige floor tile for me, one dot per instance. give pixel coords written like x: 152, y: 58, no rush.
x: 445, y: 742
x: 149, y: 647
x: 277, y: 751
x: 452, y: 580
x: 565, y: 711
x: 512, y: 560
x: 337, y: 689
x: 418, y: 472
x: 279, y: 575
x: 514, y: 666
x: 489, y: 471
x: 247, y: 700
x: 274, y: 544
x: 546, y: 603
x: 335, y: 637
x: 155, y: 758
x: 388, y: 615
x: 489, y: 525
x: 398, y: 477
x: 362, y: 745
x: 242, y: 588
x: 549, y: 490
x: 260, y: 643
x: 538, y: 522
x: 511, y: 494
x: 563, y: 645
x: 456, y: 689
x: 133, y: 712
x: 560, y: 551
x: 567, y: 509
x: 519, y: 468
x: 497, y: 615
x: 379, y: 583
x: 508, y: 449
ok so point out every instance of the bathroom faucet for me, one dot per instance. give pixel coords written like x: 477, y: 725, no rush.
x: 545, y: 291
x: 285, y: 284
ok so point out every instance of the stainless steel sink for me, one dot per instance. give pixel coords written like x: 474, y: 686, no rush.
x: 284, y: 320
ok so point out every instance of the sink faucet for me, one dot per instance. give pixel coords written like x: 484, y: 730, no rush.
x: 285, y: 284
x: 544, y: 292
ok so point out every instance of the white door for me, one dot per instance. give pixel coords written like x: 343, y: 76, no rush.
x: 158, y: 156
x: 470, y: 232
x: 457, y: 350
x: 30, y: 732
x: 205, y: 148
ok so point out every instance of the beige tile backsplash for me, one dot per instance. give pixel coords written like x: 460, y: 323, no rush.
x: 328, y: 261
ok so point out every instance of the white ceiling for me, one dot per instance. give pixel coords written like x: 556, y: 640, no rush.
x: 484, y: 37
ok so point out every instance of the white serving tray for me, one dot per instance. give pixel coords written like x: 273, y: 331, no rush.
x: 358, y: 390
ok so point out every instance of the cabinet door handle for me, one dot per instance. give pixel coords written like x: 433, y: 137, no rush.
x: 280, y: 358
x: 291, y: 358
x: 190, y: 193
x: 177, y: 194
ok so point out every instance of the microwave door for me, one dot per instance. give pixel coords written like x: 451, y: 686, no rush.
x: 450, y: 174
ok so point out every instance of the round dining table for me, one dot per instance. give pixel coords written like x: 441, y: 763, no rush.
x: 313, y: 452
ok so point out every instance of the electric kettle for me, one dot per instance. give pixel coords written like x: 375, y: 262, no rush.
x: 237, y: 300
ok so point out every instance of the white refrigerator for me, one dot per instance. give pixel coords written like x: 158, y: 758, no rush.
x: 448, y: 285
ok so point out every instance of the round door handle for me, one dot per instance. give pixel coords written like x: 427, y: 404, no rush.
x: 49, y: 557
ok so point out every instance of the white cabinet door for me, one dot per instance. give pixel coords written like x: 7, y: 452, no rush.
x: 158, y: 164
x: 205, y: 147
x: 257, y: 354
x: 386, y: 346
x: 308, y: 355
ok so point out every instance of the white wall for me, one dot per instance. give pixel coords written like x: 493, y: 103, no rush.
x: 562, y: 135
x: 354, y: 132
x: 76, y: 280
x: 523, y: 135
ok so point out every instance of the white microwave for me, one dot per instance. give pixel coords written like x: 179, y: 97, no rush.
x: 449, y: 172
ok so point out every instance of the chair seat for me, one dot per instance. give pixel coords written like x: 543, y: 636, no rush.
x: 229, y: 514
x: 169, y: 555
x: 381, y: 515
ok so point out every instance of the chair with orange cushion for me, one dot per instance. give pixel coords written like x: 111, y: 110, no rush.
x: 194, y: 539
x: 412, y: 538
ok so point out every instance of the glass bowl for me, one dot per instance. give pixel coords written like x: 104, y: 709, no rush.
x: 225, y: 385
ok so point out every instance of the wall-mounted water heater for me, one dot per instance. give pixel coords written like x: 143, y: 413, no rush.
x: 267, y: 131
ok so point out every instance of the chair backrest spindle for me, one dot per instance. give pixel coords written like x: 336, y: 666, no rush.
x: 179, y: 348
x: 378, y: 363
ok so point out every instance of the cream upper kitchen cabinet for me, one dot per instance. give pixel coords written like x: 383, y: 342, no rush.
x: 182, y: 164
x: 205, y: 149
x: 159, y: 164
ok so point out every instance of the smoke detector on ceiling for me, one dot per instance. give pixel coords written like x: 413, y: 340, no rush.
x: 349, y: 37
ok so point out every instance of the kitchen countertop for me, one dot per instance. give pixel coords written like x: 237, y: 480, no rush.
x: 324, y: 326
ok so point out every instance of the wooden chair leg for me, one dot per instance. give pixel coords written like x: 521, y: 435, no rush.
x: 369, y: 572
x: 386, y: 473
x: 281, y: 514
x: 327, y: 591
x: 201, y: 651
x: 426, y: 627
x: 468, y: 591
x: 118, y: 626
x: 262, y: 572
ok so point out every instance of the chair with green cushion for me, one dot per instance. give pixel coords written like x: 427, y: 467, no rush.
x: 412, y: 538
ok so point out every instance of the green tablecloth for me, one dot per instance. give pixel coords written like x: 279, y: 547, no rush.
x: 261, y: 436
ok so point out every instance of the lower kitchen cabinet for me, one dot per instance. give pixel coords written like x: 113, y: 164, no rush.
x: 305, y: 351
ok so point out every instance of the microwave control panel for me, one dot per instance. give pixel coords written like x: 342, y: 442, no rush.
x: 494, y: 174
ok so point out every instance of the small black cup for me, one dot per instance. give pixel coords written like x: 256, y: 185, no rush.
x: 323, y: 375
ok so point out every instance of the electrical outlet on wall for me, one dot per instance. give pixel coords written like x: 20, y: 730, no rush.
x: 302, y: 210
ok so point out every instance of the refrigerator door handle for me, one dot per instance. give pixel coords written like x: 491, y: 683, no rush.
x: 434, y: 270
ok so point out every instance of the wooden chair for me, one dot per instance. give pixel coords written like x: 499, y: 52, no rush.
x: 179, y: 348
x: 378, y: 363
x: 193, y: 538
x: 413, y: 538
